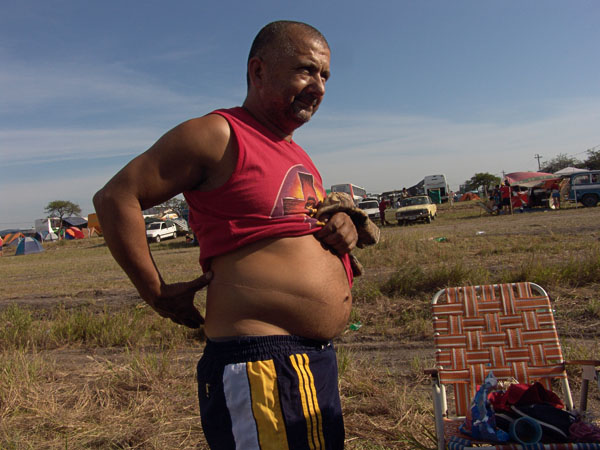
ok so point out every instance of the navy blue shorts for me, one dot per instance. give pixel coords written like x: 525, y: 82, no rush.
x: 270, y: 392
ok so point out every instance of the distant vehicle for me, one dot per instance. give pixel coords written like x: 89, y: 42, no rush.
x: 371, y: 207
x: 48, y: 225
x: 157, y: 231
x: 585, y: 188
x: 358, y: 193
x: 436, y: 187
x: 413, y: 209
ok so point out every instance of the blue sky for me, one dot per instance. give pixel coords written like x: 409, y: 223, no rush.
x: 417, y: 87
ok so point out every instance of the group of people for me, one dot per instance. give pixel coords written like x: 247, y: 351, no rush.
x: 278, y: 281
x: 386, y: 203
x: 502, y: 197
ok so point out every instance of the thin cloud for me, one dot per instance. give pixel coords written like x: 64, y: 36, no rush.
x: 387, y: 152
x: 29, y: 88
x: 54, y: 145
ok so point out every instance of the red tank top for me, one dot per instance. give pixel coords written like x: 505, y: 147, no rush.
x: 267, y: 195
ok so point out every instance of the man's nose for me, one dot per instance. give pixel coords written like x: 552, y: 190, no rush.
x: 318, y: 85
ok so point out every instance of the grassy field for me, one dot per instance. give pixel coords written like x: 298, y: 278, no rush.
x: 84, y: 364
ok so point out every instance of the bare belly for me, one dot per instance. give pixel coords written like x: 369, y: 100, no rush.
x: 279, y: 286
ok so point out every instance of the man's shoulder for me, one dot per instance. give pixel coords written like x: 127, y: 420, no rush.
x: 209, y: 126
x: 202, y: 140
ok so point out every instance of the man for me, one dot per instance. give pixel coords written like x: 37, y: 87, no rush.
x: 383, y: 204
x: 506, y: 194
x: 279, y: 282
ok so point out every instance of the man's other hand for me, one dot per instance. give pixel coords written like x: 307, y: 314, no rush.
x: 339, y: 234
x: 176, y: 301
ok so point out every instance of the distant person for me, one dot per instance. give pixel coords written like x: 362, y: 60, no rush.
x: 497, y: 197
x: 505, y: 195
x: 280, y: 280
x: 555, y: 195
x: 404, y: 193
x: 383, y: 204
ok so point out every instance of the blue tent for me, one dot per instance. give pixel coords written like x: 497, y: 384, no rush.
x: 28, y: 245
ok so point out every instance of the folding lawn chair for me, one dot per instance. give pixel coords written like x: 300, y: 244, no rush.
x: 508, y: 329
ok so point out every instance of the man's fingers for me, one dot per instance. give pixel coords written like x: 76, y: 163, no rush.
x: 201, y: 281
x: 194, y: 317
x: 188, y: 316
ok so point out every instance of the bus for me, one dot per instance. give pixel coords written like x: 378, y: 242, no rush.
x: 436, y: 187
x: 357, y: 192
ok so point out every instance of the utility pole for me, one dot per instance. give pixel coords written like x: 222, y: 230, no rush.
x: 538, y: 157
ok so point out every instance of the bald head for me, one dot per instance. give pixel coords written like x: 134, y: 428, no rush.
x: 275, y: 39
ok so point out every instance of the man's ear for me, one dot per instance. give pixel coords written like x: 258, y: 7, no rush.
x: 256, y: 71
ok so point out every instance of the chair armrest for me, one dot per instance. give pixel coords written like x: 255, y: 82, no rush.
x: 583, y: 362
x: 589, y: 373
x: 588, y: 366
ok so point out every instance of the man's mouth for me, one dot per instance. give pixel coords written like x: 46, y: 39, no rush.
x: 307, y: 103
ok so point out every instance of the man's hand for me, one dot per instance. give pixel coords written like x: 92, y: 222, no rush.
x: 339, y: 234
x: 176, y: 301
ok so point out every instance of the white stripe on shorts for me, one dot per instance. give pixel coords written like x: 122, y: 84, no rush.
x: 237, y: 397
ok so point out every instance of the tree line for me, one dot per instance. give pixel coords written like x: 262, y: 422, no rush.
x: 65, y: 208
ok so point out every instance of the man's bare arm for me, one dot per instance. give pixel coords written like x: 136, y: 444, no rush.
x: 184, y: 158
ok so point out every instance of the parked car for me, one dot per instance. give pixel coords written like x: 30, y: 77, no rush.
x: 585, y: 188
x: 371, y: 207
x: 157, y: 231
x: 413, y: 209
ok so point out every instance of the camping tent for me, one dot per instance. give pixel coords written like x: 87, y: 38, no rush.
x: 28, y: 245
x: 78, y: 222
x: 73, y: 233
x: 46, y: 236
x: 13, y: 238
x: 569, y: 171
x: 94, y: 223
x: 469, y: 196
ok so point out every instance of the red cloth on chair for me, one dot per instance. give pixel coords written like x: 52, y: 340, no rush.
x: 524, y: 394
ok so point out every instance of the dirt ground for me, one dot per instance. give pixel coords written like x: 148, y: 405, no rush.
x: 398, y: 351
x: 399, y: 354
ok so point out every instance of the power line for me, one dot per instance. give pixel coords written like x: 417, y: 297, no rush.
x: 588, y: 150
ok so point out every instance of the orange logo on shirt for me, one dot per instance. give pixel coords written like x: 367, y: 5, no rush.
x: 297, y: 194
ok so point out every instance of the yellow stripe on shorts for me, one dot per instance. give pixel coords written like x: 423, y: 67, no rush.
x: 310, y: 404
x: 265, y: 405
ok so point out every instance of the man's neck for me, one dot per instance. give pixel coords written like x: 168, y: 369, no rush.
x: 264, y: 120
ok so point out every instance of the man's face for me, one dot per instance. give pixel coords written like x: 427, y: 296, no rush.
x: 294, y: 84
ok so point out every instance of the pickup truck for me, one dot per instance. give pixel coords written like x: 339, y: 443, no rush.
x: 585, y: 188
x: 156, y: 231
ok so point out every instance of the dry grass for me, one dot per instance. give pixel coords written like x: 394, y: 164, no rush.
x: 84, y: 365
